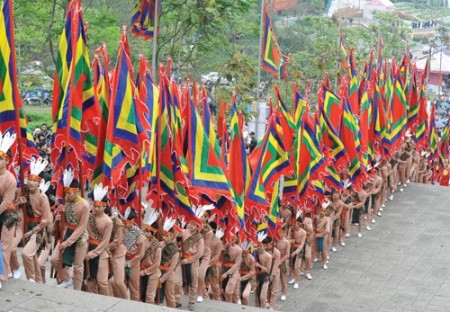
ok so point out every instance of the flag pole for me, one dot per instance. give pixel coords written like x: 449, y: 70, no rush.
x: 16, y: 100
x: 258, y: 82
x: 155, y: 38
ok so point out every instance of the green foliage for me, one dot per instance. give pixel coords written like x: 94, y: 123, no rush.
x: 35, y: 120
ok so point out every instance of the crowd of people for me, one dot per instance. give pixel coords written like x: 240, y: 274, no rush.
x: 92, y: 247
x: 424, y: 24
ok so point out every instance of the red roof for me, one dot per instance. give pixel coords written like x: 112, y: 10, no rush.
x: 283, y: 5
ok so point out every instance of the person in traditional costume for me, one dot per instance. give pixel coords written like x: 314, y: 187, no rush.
x: 8, y: 214
x: 247, y: 272
x: 99, y: 230
x: 284, y: 246
x: 117, y: 257
x: 263, y: 265
x: 134, y: 241
x: 208, y: 235
x: 297, y: 237
x: 38, y: 218
x: 191, y: 251
x: 213, y: 273
x: 74, y: 216
x: 150, y: 272
x: 170, y: 259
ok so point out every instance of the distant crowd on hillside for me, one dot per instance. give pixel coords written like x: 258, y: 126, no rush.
x: 424, y: 24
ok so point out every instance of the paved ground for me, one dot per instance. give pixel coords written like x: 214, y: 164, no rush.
x: 401, y: 265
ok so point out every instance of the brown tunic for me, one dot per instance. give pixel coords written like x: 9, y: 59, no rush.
x: 41, y: 209
x: 137, y: 251
x: 8, y: 186
x: 247, y: 269
x: 233, y: 258
x: 150, y: 264
x: 216, y: 250
x: 116, y: 243
x: 81, y: 209
x: 284, y: 246
x: 194, y: 252
x: 275, y: 261
x: 297, y: 239
x: 104, y: 226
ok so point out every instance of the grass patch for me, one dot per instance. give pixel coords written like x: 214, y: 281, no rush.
x: 38, y: 115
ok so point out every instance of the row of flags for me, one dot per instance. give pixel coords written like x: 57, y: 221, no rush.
x: 121, y: 129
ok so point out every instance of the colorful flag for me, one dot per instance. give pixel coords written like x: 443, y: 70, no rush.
x: 286, y: 122
x: 420, y: 136
x: 238, y: 166
x: 444, y: 149
x: 273, y: 60
x: 75, y: 110
x: 168, y: 182
x: 432, y: 134
x: 413, y: 98
x: 349, y: 136
x: 12, y: 114
x: 143, y: 18
x: 399, y: 115
x: 342, y: 50
x: 102, y: 90
x: 206, y: 171
x: 353, y: 97
x: 122, y: 135
x: 148, y: 94
x: 332, y: 107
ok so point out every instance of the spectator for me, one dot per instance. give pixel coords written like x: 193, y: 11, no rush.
x: 253, y: 142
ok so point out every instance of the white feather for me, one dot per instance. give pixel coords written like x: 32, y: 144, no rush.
x: 100, y: 191
x: 6, y: 141
x: 168, y: 223
x: 115, y: 212
x: 183, y: 222
x: 220, y: 233
x: 347, y: 183
x: 127, y: 213
x: 37, y: 166
x: 261, y: 236
x: 44, y: 186
x: 200, y: 210
x: 68, y: 177
x: 151, y: 215
x: 245, y: 245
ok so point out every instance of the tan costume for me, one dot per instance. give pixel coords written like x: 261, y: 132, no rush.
x: 274, y: 277
x: 297, y: 237
x: 192, y: 251
x: 247, y: 272
x: 118, y: 251
x: 99, y: 229
x: 75, y: 237
x: 150, y: 271
x: 38, y: 219
x: 8, y: 217
x: 231, y: 264
x: 284, y: 246
x: 134, y: 241
x: 170, y: 259
x: 264, y: 259
x: 215, y: 265
x: 205, y: 260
